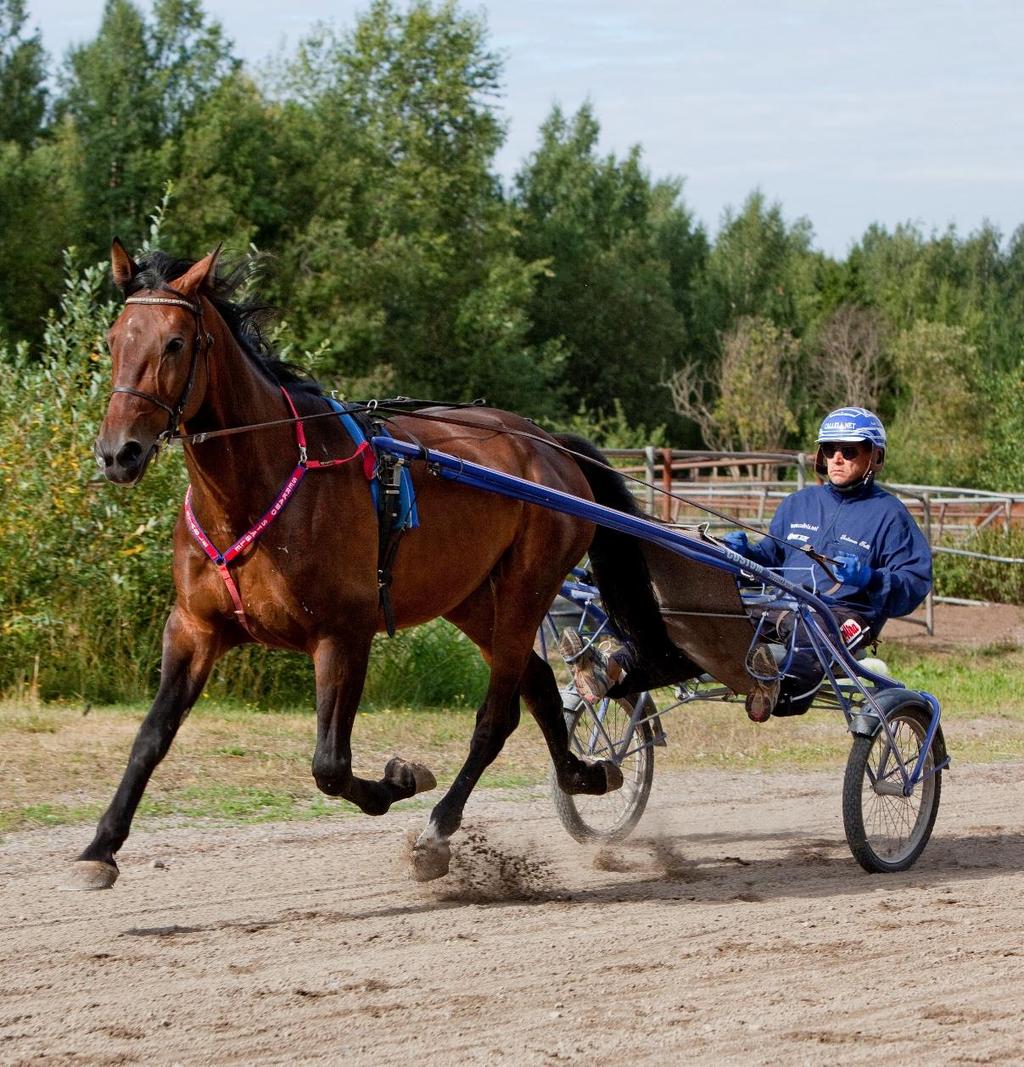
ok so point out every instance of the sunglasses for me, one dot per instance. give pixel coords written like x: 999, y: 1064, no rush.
x: 850, y: 452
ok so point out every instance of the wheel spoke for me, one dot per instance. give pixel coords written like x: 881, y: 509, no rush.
x: 600, y: 732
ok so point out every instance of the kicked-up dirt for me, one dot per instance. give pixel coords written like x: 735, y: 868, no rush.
x: 735, y: 928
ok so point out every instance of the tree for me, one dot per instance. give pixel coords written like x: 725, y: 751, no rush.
x: 760, y: 265
x: 939, y: 433
x: 243, y: 170
x: 405, y: 266
x: 747, y: 405
x: 619, y: 252
x: 849, y: 365
x: 38, y: 206
x: 22, y: 77
x: 126, y: 93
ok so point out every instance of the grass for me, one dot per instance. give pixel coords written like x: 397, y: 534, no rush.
x: 60, y: 764
x: 231, y: 763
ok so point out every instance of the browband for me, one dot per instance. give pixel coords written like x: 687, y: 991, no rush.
x: 176, y: 301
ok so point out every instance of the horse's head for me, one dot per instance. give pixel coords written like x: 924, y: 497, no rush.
x: 157, y: 346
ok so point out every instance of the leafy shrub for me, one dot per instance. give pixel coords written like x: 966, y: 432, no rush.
x: 979, y: 579
x: 86, y: 579
x: 86, y: 582
x: 428, y: 666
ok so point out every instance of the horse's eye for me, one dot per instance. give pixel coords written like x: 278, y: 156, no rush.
x: 174, y: 346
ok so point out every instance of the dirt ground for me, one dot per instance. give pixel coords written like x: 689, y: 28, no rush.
x: 736, y: 929
x: 971, y: 626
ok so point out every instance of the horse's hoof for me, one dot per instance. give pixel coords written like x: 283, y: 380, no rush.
x: 612, y: 776
x: 405, y: 774
x: 431, y: 861
x: 91, y: 874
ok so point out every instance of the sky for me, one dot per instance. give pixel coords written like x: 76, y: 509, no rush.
x: 846, y: 113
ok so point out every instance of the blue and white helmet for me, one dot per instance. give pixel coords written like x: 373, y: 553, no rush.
x: 853, y: 424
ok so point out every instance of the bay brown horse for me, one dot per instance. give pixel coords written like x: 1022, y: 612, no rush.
x: 187, y: 354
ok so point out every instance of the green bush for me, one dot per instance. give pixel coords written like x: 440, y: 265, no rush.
x: 86, y: 582
x: 86, y: 579
x: 979, y: 579
x: 429, y: 666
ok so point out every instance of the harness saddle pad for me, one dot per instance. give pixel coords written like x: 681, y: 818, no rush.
x: 703, y: 614
x: 408, y: 517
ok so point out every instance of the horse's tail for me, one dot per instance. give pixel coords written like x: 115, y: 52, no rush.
x: 617, y: 560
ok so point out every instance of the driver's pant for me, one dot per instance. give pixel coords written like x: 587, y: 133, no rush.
x: 804, y: 672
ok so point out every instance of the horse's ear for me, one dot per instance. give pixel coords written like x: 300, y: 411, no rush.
x: 122, y: 266
x: 193, y: 280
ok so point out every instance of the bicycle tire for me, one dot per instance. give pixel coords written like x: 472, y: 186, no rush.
x: 612, y: 816
x: 887, y: 832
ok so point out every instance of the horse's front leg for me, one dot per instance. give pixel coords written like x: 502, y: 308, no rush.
x: 496, y: 719
x: 340, y: 673
x: 189, y: 652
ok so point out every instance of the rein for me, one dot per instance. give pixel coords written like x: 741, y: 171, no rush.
x: 397, y: 406
x: 404, y: 405
x: 822, y: 561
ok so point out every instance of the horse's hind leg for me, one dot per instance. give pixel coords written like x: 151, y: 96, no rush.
x: 540, y: 691
x: 189, y: 653
x: 504, y: 630
x: 340, y: 672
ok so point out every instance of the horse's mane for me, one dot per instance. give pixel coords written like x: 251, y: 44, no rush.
x: 245, y: 316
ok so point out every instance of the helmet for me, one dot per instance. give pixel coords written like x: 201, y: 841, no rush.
x: 852, y: 424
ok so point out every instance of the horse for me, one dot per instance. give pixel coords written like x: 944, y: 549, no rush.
x: 188, y: 359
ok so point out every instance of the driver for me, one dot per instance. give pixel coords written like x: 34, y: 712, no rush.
x: 882, y: 563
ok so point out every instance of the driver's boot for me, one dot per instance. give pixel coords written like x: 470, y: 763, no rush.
x: 588, y: 665
x: 765, y: 695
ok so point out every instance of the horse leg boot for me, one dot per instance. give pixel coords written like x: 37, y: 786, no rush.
x: 540, y: 691
x: 340, y: 672
x: 496, y: 718
x: 189, y: 653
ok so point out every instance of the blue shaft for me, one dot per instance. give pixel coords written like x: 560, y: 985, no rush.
x: 473, y: 474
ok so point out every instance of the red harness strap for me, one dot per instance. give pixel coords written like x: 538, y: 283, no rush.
x: 249, y: 538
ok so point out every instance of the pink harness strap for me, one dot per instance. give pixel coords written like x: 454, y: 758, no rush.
x: 249, y: 538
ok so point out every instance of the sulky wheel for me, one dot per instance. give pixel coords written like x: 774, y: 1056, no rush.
x: 886, y: 830
x: 610, y: 817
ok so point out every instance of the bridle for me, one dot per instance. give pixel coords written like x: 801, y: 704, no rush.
x: 202, y: 342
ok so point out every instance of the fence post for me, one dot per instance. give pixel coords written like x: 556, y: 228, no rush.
x: 929, y: 600
x: 649, y: 463
x: 666, y: 482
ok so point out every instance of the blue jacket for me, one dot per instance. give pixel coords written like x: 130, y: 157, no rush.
x: 868, y: 522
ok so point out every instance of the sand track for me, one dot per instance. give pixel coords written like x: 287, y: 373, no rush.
x: 736, y: 929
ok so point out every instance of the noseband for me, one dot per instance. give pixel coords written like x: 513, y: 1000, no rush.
x: 202, y: 340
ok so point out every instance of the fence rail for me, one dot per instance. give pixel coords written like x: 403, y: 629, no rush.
x: 677, y: 485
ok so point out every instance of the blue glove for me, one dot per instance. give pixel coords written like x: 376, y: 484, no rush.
x: 852, y: 570
x: 737, y: 541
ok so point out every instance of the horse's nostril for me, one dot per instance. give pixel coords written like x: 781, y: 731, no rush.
x: 128, y: 455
